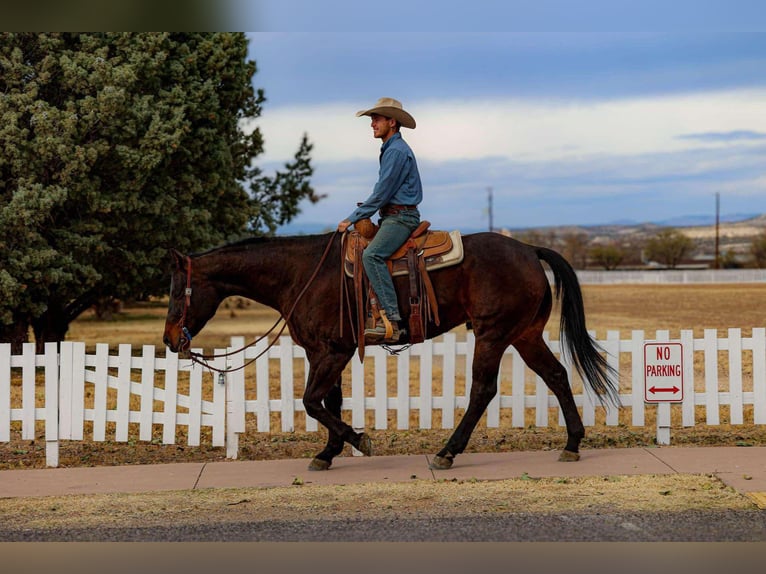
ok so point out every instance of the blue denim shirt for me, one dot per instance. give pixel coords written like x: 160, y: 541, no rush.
x: 398, y: 180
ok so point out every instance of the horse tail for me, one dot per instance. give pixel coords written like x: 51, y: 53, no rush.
x: 584, y: 352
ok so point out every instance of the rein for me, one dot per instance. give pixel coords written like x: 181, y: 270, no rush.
x: 202, y: 359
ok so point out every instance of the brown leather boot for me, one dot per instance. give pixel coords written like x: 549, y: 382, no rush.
x: 377, y: 334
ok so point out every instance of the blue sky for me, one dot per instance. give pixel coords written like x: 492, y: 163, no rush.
x: 566, y: 128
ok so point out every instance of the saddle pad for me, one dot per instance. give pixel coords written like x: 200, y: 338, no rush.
x: 432, y: 258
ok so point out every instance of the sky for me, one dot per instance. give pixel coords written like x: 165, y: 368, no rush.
x: 559, y: 127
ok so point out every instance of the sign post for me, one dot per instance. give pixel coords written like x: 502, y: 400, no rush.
x: 663, y: 382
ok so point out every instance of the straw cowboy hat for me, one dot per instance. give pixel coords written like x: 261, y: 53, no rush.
x: 390, y: 108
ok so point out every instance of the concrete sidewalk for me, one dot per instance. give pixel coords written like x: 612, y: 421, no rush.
x: 743, y: 468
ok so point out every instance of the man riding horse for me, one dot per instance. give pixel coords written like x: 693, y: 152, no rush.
x: 396, y: 196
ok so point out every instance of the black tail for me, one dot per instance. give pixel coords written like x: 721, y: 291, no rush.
x: 577, y: 342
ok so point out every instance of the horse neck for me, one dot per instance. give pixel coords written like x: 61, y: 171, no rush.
x: 272, y: 271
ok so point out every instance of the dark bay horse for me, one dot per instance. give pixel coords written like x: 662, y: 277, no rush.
x: 500, y: 288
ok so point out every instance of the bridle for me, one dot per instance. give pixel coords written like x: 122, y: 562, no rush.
x: 203, y: 359
x: 186, y: 337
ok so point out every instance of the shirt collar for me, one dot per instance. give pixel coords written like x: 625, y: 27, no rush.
x: 384, y: 147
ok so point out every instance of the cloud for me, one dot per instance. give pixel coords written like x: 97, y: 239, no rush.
x: 732, y: 136
x: 549, y: 162
x: 598, y: 189
x: 526, y: 129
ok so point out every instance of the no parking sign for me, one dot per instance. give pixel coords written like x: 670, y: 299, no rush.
x: 663, y: 372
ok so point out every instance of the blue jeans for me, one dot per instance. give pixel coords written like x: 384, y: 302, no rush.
x: 394, y: 231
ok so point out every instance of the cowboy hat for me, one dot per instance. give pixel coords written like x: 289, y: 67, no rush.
x: 390, y: 108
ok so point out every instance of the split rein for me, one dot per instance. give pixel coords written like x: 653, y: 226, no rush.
x: 203, y: 359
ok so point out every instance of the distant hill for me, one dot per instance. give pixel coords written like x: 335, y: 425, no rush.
x: 735, y: 231
x: 701, y: 220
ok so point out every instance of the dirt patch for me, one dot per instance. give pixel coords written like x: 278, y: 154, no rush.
x: 419, y: 498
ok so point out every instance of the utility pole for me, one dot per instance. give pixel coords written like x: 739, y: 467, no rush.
x: 489, y: 202
x: 717, y: 223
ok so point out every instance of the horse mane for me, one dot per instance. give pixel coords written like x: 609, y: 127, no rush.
x: 248, y: 242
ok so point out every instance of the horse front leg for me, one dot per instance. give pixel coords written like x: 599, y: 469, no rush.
x: 332, y: 402
x: 322, y: 400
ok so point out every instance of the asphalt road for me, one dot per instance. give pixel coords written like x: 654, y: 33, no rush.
x: 683, y: 526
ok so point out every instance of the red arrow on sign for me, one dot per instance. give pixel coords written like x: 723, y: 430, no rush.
x: 672, y: 389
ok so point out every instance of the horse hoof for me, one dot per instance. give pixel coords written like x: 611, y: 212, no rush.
x: 319, y: 464
x: 569, y: 456
x: 365, y: 444
x: 441, y: 462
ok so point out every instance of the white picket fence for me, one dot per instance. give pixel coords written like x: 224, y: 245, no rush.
x: 123, y: 395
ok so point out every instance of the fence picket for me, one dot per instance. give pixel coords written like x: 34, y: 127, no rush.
x: 759, y: 375
x: 100, y: 388
x: 147, y: 393
x: 28, y: 391
x: 612, y: 348
x: 262, y: 404
x: 218, y: 412
x: 124, y: 361
x: 736, y: 414
x: 712, y: 414
x: 541, y: 396
x: 52, y: 375
x: 5, y: 392
x: 235, y: 381
x: 170, y: 406
x: 286, y: 383
x: 357, y: 393
x: 78, y: 391
x: 195, y: 404
x: 688, y: 413
x: 638, y: 407
x: 381, y: 387
x: 426, y: 357
x: 65, y: 390
x: 448, y: 380
x: 518, y: 391
x: 403, y: 390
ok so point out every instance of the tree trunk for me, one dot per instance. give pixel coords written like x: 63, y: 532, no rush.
x: 52, y: 326
x: 15, y: 334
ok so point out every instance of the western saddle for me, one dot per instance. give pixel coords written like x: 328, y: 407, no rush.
x: 424, y: 250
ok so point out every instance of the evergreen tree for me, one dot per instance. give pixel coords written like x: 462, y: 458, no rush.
x: 116, y: 147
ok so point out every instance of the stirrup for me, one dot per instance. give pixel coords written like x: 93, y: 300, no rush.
x: 388, y: 334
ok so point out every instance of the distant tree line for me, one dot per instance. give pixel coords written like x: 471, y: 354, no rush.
x: 668, y: 248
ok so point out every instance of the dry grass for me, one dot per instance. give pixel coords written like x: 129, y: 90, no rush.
x: 618, y: 307
x: 414, y: 499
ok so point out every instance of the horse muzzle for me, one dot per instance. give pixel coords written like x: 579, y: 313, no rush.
x: 178, y: 342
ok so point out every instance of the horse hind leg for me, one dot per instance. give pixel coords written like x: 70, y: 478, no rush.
x: 542, y: 361
x: 486, y: 364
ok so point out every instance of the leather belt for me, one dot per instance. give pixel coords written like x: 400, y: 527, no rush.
x: 393, y: 209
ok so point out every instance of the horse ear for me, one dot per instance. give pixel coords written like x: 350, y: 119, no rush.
x: 179, y: 259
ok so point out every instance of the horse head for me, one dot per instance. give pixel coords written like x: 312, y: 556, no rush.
x: 193, y: 302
